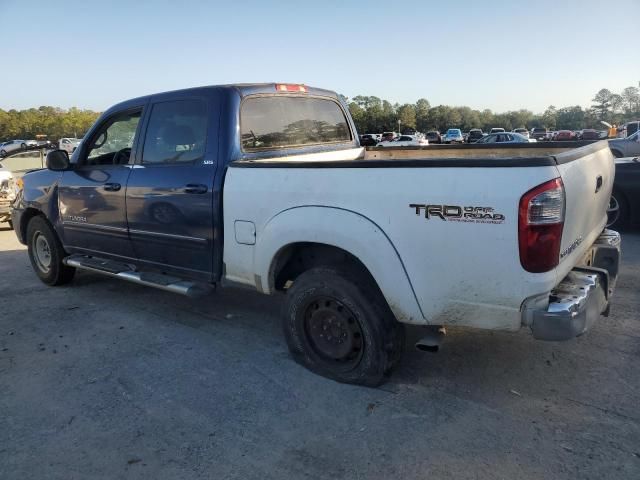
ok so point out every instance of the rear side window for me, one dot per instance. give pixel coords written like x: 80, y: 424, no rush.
x: 177, y: 132
x: 282, y: 122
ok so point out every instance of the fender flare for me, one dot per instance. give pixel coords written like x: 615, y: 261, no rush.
x: 349, y: 231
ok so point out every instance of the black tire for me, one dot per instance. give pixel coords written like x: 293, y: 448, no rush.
x: 621, y: 220
x: 617, y: 153
x: 3, y: 153
x: 361, y: 325
x: 42, y: 237
x: 23, y: 146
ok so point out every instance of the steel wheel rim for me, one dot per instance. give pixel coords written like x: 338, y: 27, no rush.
x: 613, y: 211
x: 42, y: 252
x: 333, y: 332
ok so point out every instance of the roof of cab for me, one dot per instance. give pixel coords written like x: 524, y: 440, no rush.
x: 243, y: 89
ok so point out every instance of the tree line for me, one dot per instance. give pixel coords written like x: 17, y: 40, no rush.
x: 372, y: 114
x: 375, y: 115
x: 54, y: 122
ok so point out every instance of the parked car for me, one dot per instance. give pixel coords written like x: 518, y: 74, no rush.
x: 453, y: 135
x: 497, y: 130
x: 252, y: 193
x: 589, y: 134
x: 405, y: 141
x: 368, y: 140
x: 12, y: 146
x: 69, y: 145
x: 388, y: 136
x: 522, y: 131
x: 505, y: 138
x: 626, y: 147
x: 538, y: 133
x: 19, y: 163
x: 474, y: 135
x: 564, y: 135
x: 433, y: 136
x: 7, y: 195
x: 624, y: 207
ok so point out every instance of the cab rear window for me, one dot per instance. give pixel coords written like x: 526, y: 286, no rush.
x: 291, y: 121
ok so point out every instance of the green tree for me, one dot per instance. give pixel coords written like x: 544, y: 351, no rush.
x: 407, y: 116
x: 602, y: 103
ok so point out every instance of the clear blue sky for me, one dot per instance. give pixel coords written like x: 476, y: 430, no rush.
x: 499, y: 55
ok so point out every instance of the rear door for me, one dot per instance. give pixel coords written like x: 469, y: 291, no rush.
x: 587, y: 174
x: 170, y: 190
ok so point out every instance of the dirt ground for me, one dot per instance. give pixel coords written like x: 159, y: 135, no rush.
x: 103, y: 379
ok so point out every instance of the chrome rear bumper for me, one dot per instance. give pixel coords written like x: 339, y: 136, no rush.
x: 582, y: 296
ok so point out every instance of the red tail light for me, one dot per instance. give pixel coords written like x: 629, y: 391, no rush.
x: 287, y: 87
x: 540, y: 224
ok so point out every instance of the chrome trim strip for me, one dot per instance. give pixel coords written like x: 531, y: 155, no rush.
x: 93, y: 226
x: 167, y: 235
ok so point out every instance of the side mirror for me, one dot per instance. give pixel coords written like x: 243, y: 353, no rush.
x: 58, y: 160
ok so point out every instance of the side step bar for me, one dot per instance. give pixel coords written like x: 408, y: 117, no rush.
x: 128, y: 273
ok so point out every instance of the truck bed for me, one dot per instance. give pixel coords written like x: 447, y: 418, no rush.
x: 480, y: 151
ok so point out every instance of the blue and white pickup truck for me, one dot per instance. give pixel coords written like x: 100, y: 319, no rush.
x: 267, y: 186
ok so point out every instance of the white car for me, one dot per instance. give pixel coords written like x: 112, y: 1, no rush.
x: 69, y: 145
x: 405, y: 141
x: 522, y: 131
x: 11, y: 146
x: 453, y: 135
x: 7, y: 195
x: 497, y: 130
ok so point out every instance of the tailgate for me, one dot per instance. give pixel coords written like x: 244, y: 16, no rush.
x: 587, y: 174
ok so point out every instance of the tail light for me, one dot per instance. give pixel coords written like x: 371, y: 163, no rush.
x: 540, y: 224
x: 288, y: 87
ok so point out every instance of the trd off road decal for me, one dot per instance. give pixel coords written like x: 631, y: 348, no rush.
x: 456, y: 213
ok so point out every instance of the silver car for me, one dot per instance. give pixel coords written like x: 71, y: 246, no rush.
x: 12, y: 146
x: 505, y: 137
x: 626, y: 147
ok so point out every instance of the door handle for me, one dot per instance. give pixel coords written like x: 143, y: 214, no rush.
x: 111, y: 187
x: 598, y: 183
x: 195, y: 188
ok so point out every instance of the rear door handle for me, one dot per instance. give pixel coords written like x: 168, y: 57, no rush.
x: 195, y: 188
x: 112, y: 187
x: 598, y: 183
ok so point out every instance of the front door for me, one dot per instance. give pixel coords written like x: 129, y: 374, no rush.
x: 92, y: 194
x: 169, y: 193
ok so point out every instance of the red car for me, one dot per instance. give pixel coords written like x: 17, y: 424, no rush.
x: 562, y: 135
x: 589, y: 134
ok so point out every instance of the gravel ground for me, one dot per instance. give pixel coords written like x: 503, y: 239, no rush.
x: 103, y: 379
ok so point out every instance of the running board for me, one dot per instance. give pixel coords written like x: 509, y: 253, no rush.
x: 127, y: 272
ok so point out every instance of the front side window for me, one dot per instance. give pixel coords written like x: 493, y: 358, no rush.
x: 112, y: 144
x: 177, y: 132
x: 279, y: 121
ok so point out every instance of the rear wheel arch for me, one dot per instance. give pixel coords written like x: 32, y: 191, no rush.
x: 287, y: 244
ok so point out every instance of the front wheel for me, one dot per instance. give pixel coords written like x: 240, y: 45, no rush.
x: 46, y: 253
x: 336, y: 326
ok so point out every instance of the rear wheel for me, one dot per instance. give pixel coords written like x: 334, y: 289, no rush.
x: 46, y: 253
x: 336, y: 326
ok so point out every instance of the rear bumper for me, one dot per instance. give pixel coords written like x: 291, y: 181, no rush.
x: 581, y: 297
